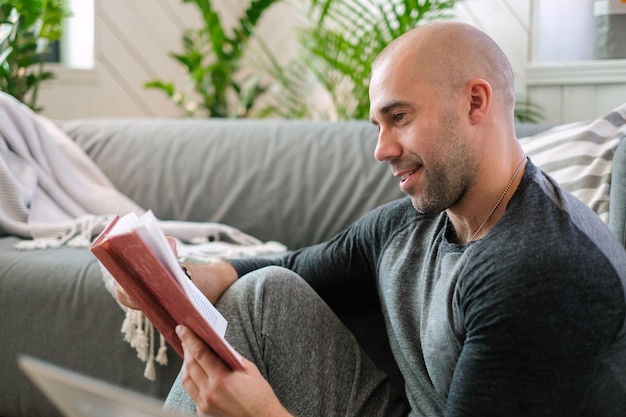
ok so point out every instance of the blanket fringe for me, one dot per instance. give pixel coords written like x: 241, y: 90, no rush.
x: 139, y: 332
x: 78, y: 234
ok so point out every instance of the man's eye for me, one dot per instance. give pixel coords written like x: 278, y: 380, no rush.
x: 397, y: 117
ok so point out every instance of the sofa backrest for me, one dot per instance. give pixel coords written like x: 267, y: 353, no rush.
x: 296, y: 182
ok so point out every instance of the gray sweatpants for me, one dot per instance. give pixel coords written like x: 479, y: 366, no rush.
x: 313, y: 363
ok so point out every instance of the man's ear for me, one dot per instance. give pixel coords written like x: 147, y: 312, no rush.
x: 480, y: 100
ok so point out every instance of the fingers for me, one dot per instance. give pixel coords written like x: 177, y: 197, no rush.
x: 123, y: 297
x: 197, y: 351
x: 172, y: 242
x: 189, y: 383
x: 217, y: 390
x: 198, y: 375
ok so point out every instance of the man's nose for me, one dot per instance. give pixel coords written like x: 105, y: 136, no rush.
x: 387, y: 147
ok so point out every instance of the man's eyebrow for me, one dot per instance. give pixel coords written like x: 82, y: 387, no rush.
x: 388, y: 108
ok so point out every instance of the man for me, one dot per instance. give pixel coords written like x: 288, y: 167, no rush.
x: 502, y: 294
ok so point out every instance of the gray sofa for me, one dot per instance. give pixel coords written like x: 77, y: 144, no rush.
x: 295, y: 182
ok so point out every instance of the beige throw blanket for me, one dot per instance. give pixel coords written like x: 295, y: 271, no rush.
x: 51, y: 190
x: 53, y: 194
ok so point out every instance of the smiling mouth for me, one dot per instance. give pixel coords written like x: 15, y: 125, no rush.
x: 406, y: 175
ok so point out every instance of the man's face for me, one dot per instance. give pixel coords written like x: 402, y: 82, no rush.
x: 421, y: 136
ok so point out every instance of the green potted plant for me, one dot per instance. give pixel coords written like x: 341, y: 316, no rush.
x: 27, y: 27
x: 347, y: 37
x: 213, y: 61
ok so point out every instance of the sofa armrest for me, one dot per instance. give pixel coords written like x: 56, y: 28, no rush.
x: 617, y: 203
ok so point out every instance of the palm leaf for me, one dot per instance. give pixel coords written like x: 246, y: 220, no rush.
x: 213, y: 59
x: 349, y: 36
x: 212, y: 26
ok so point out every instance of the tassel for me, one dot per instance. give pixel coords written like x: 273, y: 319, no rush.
x: 150, y: 372
x: 162, y: 355
x: 139, y: 332
x: 135, y: 328
x: 128, y: 328
x: 139, y: 340
x: 141, y: 345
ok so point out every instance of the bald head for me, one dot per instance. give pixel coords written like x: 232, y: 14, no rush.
x: 449, y: 54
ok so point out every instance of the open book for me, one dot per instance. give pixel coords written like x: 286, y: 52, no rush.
x: 137, y: 254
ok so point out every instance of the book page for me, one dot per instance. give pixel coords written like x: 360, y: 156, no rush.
x: 123, y: 224
x: 208, y: 311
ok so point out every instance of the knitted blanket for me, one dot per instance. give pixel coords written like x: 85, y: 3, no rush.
x: 53, y: 194
x: 51, y: 190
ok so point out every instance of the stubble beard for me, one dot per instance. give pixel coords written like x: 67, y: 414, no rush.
x: 449, y: 176
x: 445, y: 185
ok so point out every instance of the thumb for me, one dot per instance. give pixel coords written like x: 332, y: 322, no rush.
x: 172, y: 242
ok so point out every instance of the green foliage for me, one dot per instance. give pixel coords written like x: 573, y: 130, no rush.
x: 291, y: 87
x: 347, y: 37
x: 337, y: 51
x: 26, y: 29
x: 213, y: 61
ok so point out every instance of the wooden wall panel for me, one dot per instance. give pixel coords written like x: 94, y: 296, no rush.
x: 610, y: 96
x: 579, y: 101
x: 129, y: 59
x: 550, y: 99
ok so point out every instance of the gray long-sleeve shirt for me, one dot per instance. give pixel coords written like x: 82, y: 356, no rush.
x: 527, y: 321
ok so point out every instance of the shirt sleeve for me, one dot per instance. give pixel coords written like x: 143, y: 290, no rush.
x: 345, y: 265
x: 535, y: 329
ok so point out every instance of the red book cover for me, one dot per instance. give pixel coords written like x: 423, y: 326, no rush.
x: 161, y: 297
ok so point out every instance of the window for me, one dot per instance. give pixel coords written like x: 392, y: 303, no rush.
x: 77, y: 45
x: 563, y: 30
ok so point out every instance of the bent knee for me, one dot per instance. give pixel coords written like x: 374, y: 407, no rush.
x: 272, y: 281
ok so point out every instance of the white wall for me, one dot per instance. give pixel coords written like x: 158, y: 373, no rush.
x: 134, y: 37
x: 507, y: 22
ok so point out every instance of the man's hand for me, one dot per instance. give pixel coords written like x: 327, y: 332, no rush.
x: 212, y: 279
x: 217, y: 390
x: 123, y: 297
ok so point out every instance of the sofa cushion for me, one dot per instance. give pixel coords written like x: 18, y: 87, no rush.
x: 580, y: 157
